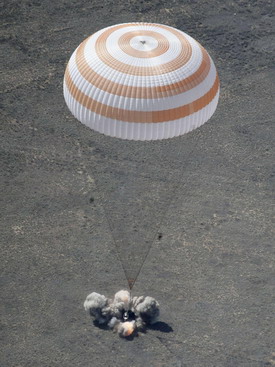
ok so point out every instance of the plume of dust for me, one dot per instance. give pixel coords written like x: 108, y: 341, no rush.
x: 123, y: 314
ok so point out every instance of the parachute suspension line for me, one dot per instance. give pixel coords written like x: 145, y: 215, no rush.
x: 185, y: 164
x: 131, y: 282
x: 106, y: 216
x: 115, y: 245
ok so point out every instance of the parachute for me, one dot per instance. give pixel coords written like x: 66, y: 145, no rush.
x: 139, y: 81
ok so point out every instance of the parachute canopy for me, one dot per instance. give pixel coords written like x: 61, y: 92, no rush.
x: 141, y: 81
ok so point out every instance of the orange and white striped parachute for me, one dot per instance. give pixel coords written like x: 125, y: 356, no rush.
x: 141, y: 81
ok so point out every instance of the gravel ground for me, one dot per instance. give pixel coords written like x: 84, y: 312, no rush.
x: 201, y: 204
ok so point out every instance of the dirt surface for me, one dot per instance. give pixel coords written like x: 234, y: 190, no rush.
x: 207, y: 221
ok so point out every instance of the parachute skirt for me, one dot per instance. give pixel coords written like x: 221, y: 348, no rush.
x: 140, y: 131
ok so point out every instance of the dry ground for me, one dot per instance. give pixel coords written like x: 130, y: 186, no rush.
x: 212, y: 267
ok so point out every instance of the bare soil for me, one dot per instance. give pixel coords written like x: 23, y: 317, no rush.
x: 208, y: 227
